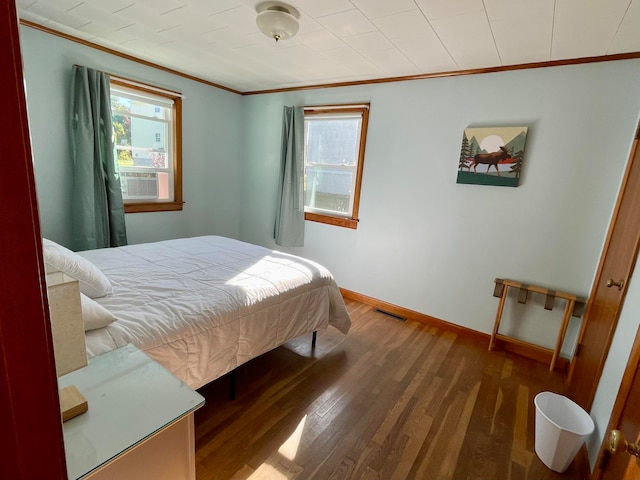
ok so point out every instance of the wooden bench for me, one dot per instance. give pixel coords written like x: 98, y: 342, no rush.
x: 575, y: 307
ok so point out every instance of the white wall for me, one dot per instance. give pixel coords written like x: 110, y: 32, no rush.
x: 428, y: 244
x: 212, y: 141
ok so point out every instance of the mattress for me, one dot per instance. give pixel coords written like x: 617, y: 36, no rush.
x: 202, y: 306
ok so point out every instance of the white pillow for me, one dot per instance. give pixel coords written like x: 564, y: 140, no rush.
x: 93, y: 283
x: 94, y: 315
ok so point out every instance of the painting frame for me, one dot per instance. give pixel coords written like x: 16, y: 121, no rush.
x: 492, y: 155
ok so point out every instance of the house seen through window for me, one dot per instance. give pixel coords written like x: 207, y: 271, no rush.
x: 147, y: 147
x: 334, y: 139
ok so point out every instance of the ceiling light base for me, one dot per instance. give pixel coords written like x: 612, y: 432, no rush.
x: 277, y: 20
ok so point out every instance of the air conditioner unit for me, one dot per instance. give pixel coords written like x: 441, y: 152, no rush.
x: 139, y: 185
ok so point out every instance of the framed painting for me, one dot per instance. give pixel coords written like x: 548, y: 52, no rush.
x: 492, y: 156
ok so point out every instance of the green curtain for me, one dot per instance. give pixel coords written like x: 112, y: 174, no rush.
x: 97, y: 206
x: 289, y: 226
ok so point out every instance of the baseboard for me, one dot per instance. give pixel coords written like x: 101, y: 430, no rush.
x: 417, y: 316
x: 540, y: 354
x: 584, y: 467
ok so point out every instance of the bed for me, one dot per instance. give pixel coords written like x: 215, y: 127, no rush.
x: 199, y: 306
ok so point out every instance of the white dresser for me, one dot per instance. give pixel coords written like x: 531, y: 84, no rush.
x: 139, y: 424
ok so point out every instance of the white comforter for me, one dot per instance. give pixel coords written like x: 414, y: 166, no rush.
x: 202, y: 306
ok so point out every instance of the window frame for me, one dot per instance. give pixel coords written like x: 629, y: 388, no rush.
x: 176, y: 150
x: 339, y: 220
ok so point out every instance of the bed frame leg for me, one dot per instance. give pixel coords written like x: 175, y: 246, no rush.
x: 232, y: 385
x: 313, y: 339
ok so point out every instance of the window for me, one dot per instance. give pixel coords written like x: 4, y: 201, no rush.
x: 147, y: 146
x: 334, y: 141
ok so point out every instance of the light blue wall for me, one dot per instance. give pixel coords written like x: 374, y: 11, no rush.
x: 212, y: 142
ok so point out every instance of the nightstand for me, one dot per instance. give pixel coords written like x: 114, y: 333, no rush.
x: 139, y: 424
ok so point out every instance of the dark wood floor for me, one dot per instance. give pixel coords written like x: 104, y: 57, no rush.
x: 390, y: 400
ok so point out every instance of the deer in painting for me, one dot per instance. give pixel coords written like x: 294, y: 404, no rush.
x: 489, y: 159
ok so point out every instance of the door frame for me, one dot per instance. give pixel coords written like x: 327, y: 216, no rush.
x: 28, y: 385
x: 577, y: 390
x: 622, y: 399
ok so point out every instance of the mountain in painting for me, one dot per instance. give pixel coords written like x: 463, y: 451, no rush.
x: 517, y: 143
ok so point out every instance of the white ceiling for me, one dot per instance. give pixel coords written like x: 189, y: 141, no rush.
x: 344, y: 40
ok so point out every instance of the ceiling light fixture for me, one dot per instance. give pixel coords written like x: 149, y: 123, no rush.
x: 277, y: 20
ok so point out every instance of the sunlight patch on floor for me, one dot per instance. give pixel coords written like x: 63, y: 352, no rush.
x: 267, y: 472
x: 289, y: 449
x: 284, y: 468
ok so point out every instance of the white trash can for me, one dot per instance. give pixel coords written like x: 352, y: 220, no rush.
x: 562, y: 426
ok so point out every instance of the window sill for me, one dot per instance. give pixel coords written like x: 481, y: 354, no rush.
x: 152, y: 207
x: 337, y: 221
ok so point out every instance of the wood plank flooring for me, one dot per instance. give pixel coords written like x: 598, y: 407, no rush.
x: 390, y: 400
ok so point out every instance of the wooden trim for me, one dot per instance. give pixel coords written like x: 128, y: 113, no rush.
x: 457, y: 73
x: 413, y: 315
x: 622, y: 400
x: 329, y: 220
x: 143, y: 87
x: 126, y: 56
x: 598, y: 279
x: 584, y: 469
x: 329, y: 109
x: 422, y: 76
x: 534, y: 352
x: 177, y: 154
x: 30, y: 424
x: 623, y: 188
x: 138, y: 85
x: 362, y: 147
x: 153, y: 207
